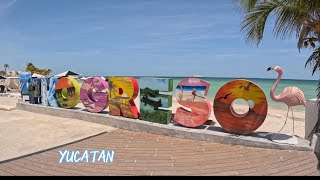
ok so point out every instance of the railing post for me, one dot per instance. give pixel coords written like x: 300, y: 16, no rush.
x: 311, y: 119
x: 317, y: 149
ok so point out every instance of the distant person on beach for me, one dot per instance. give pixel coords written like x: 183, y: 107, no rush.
x: 194, y: 91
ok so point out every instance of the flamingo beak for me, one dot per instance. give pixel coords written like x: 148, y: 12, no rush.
x: 270, y: 68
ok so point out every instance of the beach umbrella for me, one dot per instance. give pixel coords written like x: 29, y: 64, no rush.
x: 67, y: 73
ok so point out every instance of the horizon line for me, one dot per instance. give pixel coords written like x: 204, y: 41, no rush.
x: 204, y: 77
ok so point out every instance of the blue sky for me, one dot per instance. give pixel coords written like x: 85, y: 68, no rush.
x: 140, y: 37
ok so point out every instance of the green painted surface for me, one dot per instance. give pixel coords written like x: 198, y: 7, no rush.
x: 154, y: 98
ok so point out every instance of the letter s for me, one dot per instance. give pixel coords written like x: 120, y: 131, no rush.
x: 187, y: 94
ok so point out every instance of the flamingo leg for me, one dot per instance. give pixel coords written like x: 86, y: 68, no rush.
x: 285, y: 121
x: 282, y: 126
x: 293, y: 121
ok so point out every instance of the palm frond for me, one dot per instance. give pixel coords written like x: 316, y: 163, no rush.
x: 314, y: 61
x: 304, y: 33
x: 246, y: 5
x: 312, y: 44
x: 313, y: 5
x: 305, y: 44
x: 290, y: 16
x: 255, y: 21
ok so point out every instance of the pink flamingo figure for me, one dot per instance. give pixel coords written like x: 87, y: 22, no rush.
x: 291, y: 96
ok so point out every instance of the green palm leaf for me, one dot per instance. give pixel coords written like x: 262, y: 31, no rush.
x: 288, y: 16
x: 314, y: 61
x: 246, y: 5
x: 255, y: 21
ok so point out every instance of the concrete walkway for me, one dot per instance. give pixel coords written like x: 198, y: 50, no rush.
x: 22, y: 132
x: 30, y: 144
x: 146, y: 154
x: 6, y: 108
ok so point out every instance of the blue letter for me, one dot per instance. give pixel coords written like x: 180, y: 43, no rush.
x: 75, y: 156
x: 94, y: 155
x: 70, y: 159
x: 63, y: 154
x: 109, y: 157
x: 103, y: 156
x: 85, y: 155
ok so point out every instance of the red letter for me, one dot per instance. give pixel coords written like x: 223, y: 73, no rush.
x: 122, y: 92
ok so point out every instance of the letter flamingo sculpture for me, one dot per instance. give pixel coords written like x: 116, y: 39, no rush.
x: 291, y: 96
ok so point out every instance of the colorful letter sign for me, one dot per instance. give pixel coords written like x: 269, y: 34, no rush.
x: 52, y: 101
x: 44, y: 91
x: 154, y: 95
x: 24, y: 80
x: 227, y: 116
x: 67, y: 92
x: 122, y: 92
x: 94, y: 94
x: 35, y: 91
x: 119, y: 94
x: 190, y: 94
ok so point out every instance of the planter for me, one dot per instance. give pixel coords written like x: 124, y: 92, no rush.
x: 317, y: 149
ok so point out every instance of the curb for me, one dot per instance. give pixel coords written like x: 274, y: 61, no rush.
x: 203, y: 133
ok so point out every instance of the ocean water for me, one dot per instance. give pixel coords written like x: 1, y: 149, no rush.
x: 307, y: 86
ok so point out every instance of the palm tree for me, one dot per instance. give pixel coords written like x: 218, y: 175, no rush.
x: 6, y: 66
x: 2, y: 73
x: 301, y: 17
x: 48, y: 72
x: 30, y: 68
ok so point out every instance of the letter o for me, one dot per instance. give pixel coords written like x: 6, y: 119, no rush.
x: 67, y: 92
x: 240, y: 123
